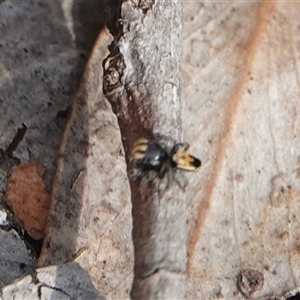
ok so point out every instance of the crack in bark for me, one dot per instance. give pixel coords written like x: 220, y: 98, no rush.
x: 19, y: 136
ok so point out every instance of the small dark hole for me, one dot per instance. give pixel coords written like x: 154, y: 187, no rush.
x: 35, y: 244
x: 82, y: 56
x: 22, y: 266
x: 63, y: 113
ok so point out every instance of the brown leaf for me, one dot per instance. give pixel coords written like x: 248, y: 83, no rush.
x: 26, y: 196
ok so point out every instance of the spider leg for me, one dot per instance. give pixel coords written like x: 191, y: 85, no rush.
x: 180, y: 179
x: 166, y: 141
x: 180, y: 147
x: 147, y: 178
x: 135, y: 173
x: 164, y: 176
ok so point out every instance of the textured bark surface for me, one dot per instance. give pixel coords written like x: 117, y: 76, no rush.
x: 33, y: 110
x: 241, y: 77
x: 142, y: 82
x: 43, y: 49
x: 240, y: 111
x: 91, y: 209
x: 67, y: 281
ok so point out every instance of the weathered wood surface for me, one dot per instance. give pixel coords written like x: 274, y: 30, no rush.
x: 43, y: 50
x: 241, y: 109
x: 240, y: 106
x: 146, y: 58
x: 90, y: 220
x: 68, y: 281
x: 91, y: 209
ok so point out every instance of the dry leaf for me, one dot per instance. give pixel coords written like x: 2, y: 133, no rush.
x: 241, y: 106
x: 44, y: 47
x: 26, y: 196
x: 90, y: 218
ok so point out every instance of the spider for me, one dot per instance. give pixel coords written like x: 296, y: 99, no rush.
x: 148, y: 155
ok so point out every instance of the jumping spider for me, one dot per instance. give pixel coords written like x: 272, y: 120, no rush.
x: 148, y: 155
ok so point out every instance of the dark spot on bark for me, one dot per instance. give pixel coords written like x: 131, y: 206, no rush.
x: 249, y: 281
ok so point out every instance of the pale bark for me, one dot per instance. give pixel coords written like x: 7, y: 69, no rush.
x: 142, y: 82
x: 241, y: 109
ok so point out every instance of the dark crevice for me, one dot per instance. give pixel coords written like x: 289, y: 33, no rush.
x: 16, y: 140
x: 152, y: 273
x: 53, y: 288
x: 295, y: 297
x: 113, y: 17
x: 35, y: 244
x: 13, y: 224
x: 63, y: 113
